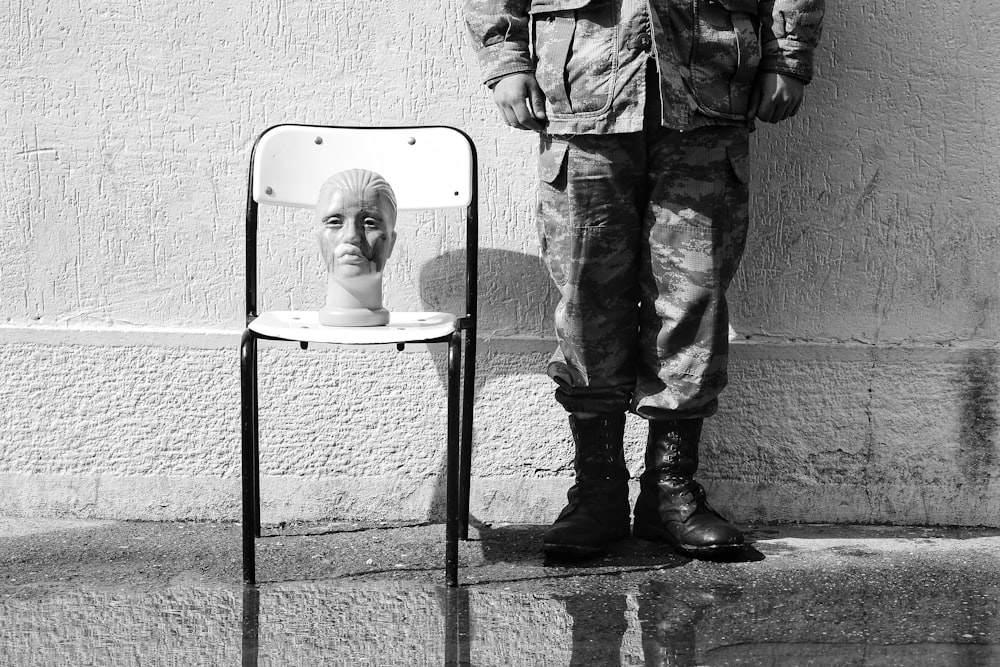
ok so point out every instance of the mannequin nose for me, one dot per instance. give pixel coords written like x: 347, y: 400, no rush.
x: 351, y: 233
x: 355, y: 235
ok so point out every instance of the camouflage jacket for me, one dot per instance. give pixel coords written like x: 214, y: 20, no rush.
x: 590, y: 56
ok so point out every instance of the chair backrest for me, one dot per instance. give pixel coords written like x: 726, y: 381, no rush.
x: 428, y: 167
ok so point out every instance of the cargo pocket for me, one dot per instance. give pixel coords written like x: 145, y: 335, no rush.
x: 736, y: 214
x: 724, y: 57
x: 552, y: 201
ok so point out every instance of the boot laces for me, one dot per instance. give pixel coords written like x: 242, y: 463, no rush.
x: 696, y: 492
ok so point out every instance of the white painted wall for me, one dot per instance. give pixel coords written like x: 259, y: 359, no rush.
x: 864, y: 387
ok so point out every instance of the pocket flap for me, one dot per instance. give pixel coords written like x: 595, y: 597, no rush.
x: 551, y: 157
x: 543, y: 6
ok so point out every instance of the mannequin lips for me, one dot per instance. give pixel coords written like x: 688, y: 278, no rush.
x: 351, y: 254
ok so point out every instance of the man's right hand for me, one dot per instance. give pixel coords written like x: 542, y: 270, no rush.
x: 521, y: 101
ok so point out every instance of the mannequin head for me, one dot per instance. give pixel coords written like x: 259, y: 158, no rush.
x: 356, y: 217
x: 356, y: 229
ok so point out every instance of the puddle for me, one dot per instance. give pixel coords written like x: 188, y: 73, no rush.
x: 658, y: 622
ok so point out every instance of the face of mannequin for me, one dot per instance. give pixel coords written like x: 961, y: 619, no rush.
x: 356, y: 232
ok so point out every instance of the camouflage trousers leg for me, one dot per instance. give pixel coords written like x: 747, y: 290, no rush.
x: 642, y: 234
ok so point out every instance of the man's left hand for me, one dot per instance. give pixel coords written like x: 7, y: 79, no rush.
x: 775, y: 97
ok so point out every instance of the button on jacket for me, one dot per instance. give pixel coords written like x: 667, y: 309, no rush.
x: 590, y: 56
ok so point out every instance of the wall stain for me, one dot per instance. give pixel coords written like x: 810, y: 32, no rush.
x: 977, y: 451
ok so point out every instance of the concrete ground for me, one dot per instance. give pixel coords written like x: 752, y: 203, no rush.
x: 125, y: 593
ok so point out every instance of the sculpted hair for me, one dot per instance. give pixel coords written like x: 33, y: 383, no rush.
x: 362, y: 180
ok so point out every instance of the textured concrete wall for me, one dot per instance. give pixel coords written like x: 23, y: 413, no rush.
x: 864, y: 384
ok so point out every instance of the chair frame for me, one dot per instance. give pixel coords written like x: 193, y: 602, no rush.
x: 460, y: 398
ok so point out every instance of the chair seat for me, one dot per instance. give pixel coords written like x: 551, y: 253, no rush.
x: 304, y: 326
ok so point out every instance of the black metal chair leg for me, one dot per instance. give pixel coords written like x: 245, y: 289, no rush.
x: 256, y: 441
x: 465, y: 453
x: 248, y: 352
x: 451, y: 505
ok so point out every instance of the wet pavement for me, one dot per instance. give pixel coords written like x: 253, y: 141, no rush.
x: 124, y: 593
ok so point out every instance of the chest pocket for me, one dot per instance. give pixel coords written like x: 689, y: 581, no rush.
x: 725, y: 52
x: 576, y: 55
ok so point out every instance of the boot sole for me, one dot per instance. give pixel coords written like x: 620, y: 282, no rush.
x: 581, y: 550
x: 711, y: 550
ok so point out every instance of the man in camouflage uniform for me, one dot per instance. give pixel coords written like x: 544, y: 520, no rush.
x: 644, y: 109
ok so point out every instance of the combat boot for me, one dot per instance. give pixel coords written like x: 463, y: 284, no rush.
x: 672, y: 507
x: 598, y: 510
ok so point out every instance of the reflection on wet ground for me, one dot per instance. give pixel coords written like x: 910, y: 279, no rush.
x: 658, y: 626
x: 799, y: 596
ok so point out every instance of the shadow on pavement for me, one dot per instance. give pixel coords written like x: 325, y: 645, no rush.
x: 522, y: 543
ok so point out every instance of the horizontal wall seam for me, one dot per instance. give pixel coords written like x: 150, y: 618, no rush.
x: 229, y: 339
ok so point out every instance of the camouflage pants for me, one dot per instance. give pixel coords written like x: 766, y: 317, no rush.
x: 642, y: 234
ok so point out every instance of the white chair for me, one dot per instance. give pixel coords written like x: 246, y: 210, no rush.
x: 428, y: 168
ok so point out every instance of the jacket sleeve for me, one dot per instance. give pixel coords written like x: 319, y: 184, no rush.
x: 789, y: 34
x: 498, y: 30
